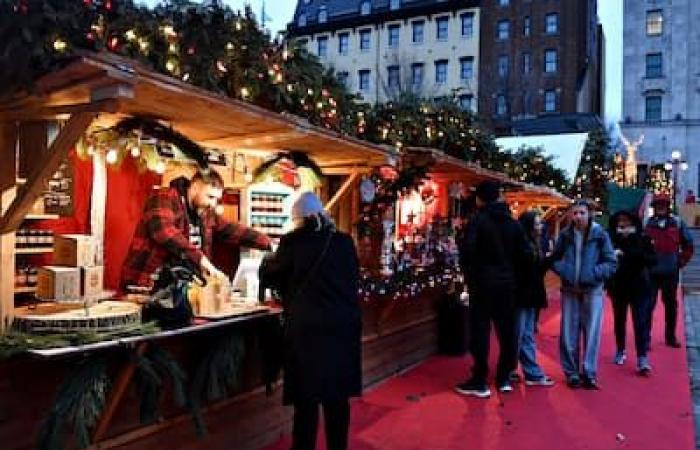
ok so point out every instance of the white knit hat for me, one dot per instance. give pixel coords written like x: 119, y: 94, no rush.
x: 308, y: 204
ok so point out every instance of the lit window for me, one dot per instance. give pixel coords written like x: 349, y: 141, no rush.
x: 418, y: 32
x: 652, y: 108
x: 551, y: 23
x: 441, y: 71
x: 322, y: 15
x: 654, y: 65
x: 322, y: 47
x: 503, y: 30
x: 503, y: 66
x: 393, y: 36
x: 442, y: 24
x: 655, y: 22
x: 466, y: 68
x: 550, y: 61
x: 527, y: 63
x: 394, y: 4
x: 527, y: 26
x: 550, y: 101
x: 467, y: 25
x: 365, y: 8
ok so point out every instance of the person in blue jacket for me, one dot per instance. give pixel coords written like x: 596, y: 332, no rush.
x: 584, y: 259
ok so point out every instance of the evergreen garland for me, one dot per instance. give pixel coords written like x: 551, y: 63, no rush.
x: 154, y: 368
x: 80, y: 401
x: 217, y: 375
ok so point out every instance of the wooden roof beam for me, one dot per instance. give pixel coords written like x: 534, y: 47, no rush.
x: 109, y: 105
x: 66, y: 139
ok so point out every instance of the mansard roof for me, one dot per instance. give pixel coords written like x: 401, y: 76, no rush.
x: 346, y: 13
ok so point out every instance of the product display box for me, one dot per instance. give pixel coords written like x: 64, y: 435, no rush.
x: 91, y: 281
x: 58, y: 283
x: 76, y: 250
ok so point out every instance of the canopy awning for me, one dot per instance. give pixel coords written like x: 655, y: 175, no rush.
x: 565, y: 148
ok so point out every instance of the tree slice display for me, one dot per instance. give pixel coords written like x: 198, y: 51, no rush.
x: 57, y: 318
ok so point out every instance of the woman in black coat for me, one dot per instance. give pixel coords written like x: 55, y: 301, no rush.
x: 531, y: 297
x: 630, y: 287
x: 315, y: 271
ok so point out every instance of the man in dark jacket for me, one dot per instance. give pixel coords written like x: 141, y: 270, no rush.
x: 493, y: 248
x: 674, y: 249
x: 179, y: 224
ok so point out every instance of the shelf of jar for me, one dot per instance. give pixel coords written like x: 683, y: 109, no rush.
x: 269, y: 214
x: 25, y: 290
x: 33, y: 250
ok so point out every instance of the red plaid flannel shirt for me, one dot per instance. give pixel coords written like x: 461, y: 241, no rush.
x: 163, y: 234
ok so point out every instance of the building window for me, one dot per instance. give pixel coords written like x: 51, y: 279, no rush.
x: 527, y: 103
x: 394, y: 4
x: 503, y: 66
x: 303, y: 43
x: 503, y: 30
x: 503, y: 2
x: 301, y: 21
x: 394, y: 35
x: 365, y: 8
x: 527, y: 26
x: 550, y: 101
x: 654, y: 65
x: 467, y: 25
x: 417, y: 74
x: 527, y: 63
x: 441, y: 71
x: 652, y: 108
x: 550, y: 61
x: 466, y: 68
x: 322, y: 15
x: 551, y: 23
x: 343, y: 78
x: 501, y: 107
x: 363, y: 80
x: 393, y: 77
x: 365, y: 40
x: 442, y: 24
x: 418, y: 32
x: 322, y: 47
x: 343, y: 43
x: 655, y: 22
x: 466, y: 102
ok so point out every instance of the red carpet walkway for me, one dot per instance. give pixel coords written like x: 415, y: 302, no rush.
x: 419, y: 410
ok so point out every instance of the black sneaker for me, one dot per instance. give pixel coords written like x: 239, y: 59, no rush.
x: 473, y: 389
x: 573, y: 381
x: 505, y: 387
x: 590, y: 383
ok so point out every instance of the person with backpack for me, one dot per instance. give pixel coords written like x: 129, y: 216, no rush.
x: 630, y: 287
x: 584, y: 259
x: 674, y: 249
x: 492, y: 250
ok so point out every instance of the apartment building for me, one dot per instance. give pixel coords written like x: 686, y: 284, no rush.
x: 382, y: 48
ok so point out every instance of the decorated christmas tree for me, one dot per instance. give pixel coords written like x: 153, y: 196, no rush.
x: 595, y: 169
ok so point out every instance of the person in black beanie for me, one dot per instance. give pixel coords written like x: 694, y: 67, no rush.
x: 493, y: 247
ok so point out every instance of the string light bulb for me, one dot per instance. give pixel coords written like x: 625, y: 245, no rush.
x: 112, y: 156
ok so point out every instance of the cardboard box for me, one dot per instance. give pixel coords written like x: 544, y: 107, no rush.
x: 58, y: 283
x: 76, y: 250
x: 91, y: 281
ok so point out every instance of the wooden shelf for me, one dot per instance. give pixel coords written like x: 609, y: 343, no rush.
x: 33, y: 250
x: 41, y: 217
x: 269, y: 214
x: 25, y: 290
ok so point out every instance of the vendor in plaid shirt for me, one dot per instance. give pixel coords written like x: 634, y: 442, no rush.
x: 179, y: 223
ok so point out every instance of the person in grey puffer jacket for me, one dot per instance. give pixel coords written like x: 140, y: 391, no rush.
x: 584, y: 259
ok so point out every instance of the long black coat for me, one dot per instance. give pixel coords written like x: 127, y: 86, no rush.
x: 532, y: 292
x: 322, y: 333
x: 638, y: 257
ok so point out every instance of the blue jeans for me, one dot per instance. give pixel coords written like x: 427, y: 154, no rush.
x: 527, y: 349
x: 581, y: 317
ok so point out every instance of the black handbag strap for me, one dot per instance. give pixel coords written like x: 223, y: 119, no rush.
x: 314, y: 268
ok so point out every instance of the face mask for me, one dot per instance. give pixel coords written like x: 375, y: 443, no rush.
x: 626, y: 231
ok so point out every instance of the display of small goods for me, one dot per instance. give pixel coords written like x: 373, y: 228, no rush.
x: 58, y: 199
x: 25, y: 276
x: 31, y: 238
x: 269, y: 207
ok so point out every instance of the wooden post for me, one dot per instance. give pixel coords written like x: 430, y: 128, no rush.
x: 116, y: 395
x: 342, y: 191
x: 8, y: 181
x: 66, y: 139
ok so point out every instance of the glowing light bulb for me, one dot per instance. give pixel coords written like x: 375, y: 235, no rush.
x: 135, y: 152
x: 112, y: 156
x: 160, y: 168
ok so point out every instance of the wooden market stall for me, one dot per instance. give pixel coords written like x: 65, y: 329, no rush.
x: 38, y: 134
